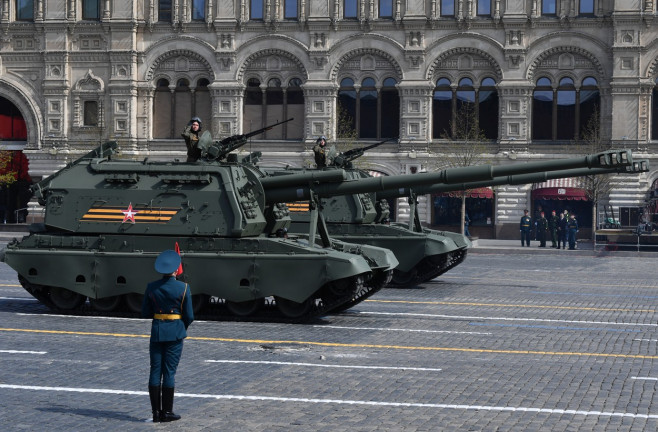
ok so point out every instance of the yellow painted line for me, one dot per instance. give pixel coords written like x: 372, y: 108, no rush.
x: 511, y: 305
x: 346, y: 345
x: 10, y: 285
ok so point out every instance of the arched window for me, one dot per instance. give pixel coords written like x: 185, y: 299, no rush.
x: 276, y: 103
x: 488, y: 108
x: 369, y: 111
x: 566, y: 112
x: 367, y: 126
x: 346, y: 114
x: 294, y: 109
x: 12, y: 125
x: 589, y: 106
x: 442, y: 109
x: 390, y: 114
x: 162, y: 103
x: 542, y: 110
x: 182, y: 106
x: 466, y: 111
x: 253, y: 105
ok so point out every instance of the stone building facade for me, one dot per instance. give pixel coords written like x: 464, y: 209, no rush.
x: 135, y: 71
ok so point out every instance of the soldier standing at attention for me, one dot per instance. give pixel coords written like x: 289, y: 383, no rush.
x: 573, y: 229
x: 169, y: 302
x: 320, y: 150
x: 525, y: 227
x: 191, y: 136
x: 552, y: 227
x: 542, y: 229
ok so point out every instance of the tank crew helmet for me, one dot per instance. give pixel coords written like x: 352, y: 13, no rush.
x: 167, y: 262
x: 195, y: 119
x: 322, y: 139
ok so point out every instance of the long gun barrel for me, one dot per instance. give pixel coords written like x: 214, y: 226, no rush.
x: 637, y: 167
x: 219, y: 149
x: 607, y: 159
x: 343, y: 159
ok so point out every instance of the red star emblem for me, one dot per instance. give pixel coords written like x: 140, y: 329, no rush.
x: 129, y: 215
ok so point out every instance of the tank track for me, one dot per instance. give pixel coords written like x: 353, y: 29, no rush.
x: 371, y: 287
x: 429, y: 269
x: 216, y: 309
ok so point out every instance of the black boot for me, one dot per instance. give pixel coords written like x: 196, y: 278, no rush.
x: 154, y: 394
x: 167, y: 413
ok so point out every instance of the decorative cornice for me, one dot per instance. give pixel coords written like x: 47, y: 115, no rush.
x: 179, y: 53
x: 565, y: 49
x: 267, y: 53
x: 364, y: 51
x: 465, y: 50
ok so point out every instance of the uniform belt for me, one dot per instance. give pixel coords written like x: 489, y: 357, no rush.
x: 167, y: 316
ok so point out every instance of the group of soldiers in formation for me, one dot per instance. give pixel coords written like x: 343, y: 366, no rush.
x: 562, y: 228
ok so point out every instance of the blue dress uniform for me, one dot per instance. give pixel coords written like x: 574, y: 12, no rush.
x: 169, y: 302
x: 573, y: 229
x: 525, y: 227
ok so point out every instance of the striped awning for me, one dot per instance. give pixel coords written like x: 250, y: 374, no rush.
x: 559, y: 189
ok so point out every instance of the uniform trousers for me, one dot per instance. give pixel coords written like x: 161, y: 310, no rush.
x: 164, y: 362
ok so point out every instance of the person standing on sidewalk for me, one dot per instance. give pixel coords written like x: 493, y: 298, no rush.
x: 526, y: 228
x: 562, y: 230
x: 169, y: 302
x: 552, y: 227
x: 542, y: 229
x: 573, y: 230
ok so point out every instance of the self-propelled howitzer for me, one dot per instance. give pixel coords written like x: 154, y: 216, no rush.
x: 106, y: 221
x: 354, y: 211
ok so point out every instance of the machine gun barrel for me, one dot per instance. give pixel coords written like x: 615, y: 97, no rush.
x: 637, y: 167
x: 219, y: 149
x: 607, y: 159
x: 343, y: 158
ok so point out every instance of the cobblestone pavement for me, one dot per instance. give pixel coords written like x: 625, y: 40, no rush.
x: 508, y: 342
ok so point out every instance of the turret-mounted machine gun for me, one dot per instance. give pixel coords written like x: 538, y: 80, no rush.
x: 219, y: 150
x: 344, y: 159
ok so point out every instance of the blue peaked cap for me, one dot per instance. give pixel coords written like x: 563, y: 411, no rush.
x: 167, y: 262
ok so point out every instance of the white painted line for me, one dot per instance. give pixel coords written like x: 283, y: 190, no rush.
x: 645, y: 378
x: 20, y: 298
x: 399, y: 329
x: 23, y: 352
x: 645, y: 340
x: 507, y: 319
x: 346, y: 402
x: 326, y: 365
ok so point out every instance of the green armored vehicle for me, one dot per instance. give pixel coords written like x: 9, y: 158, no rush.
x: 106, y: 221
x: 357, y: 212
